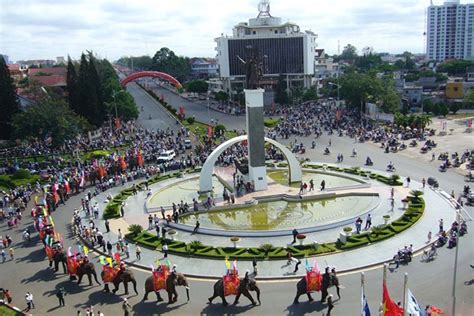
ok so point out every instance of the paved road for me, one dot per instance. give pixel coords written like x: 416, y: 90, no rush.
x: 430, y: 282
x: 160, y: 117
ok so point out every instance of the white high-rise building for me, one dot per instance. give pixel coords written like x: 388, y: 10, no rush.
x: 286, y: 51
x: 450, y: 33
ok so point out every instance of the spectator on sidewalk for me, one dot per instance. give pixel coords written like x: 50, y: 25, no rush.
x: 138, y: 252
x: 60, y: 295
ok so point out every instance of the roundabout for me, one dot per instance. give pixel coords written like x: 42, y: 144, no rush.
x: 239, y: 231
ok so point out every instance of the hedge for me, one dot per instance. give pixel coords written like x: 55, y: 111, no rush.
x: 112, y: 210
x: 271, y: 122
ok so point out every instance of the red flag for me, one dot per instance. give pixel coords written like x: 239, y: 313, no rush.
x: 390, y: 308
x: 66, y: 186
x: 123, y: 164
x: 210, y: 131
x: 101, y: 171
x: 140, y: 159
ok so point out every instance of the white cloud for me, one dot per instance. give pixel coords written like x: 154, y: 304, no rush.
x: 49, y: 28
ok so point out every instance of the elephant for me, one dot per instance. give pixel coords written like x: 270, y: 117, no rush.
x: 327, y: 281
x: 89, y: 269
x: 59, y: 257
x: 246, y: 285
x: 124, y: 276
x: 173, y: 280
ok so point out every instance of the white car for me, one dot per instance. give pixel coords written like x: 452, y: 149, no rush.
x: 188, y: 144
x: 167, y: 155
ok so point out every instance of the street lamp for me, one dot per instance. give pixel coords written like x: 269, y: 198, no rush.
x: 208, y: 106
x: 338, y: 87
x: 115, y: 103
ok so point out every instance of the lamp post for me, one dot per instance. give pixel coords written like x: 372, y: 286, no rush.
x: 115, y: 103
x: 208, y: 106
x: 338, y: 89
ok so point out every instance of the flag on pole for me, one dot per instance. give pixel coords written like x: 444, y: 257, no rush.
x: 210, y: 131
x: 413, y: 308
x: 390, y: 308
x: 365, y: 305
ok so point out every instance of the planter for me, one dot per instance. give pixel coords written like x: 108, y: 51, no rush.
x: 301, y: 238
x: 172, y: 234
x: 234, y: 241
x: 386, y: 218
x: 343, y: 238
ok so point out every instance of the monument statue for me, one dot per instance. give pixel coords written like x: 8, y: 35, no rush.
x: 253, y: 67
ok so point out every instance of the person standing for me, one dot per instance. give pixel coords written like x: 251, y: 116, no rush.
x: 4, y: 256
x: 109, y: 248
x: 126, y: 307
x: 29, y: 301
x: 295, y: 233
x: 408, y: 182
x: 423, y: 181
x: 11, y: 252
x: 7, y: 296
x: 60, y: 295
x: 368, y: 222
x: 122, y: 210
x: 162, y: 212
x: 311, y: 185
x: 138, y: 252
x: 165, y: 250
x: 107, y: 227
x: 330, y: 305
x: 441, y: 226
x: 254, y: 265
x: 358, y: 225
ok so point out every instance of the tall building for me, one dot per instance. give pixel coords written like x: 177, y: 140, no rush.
x: 450, y: 33
x: 286, y: 51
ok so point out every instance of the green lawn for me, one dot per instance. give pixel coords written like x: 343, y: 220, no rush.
x: 5, y: 311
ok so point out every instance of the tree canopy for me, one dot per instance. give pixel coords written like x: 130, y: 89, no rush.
x: 49, y: 119
x: 138, y: 63
x: 197, y: 86
x: 455, y: 67
x: 165, y: 60
x: 8, y: 100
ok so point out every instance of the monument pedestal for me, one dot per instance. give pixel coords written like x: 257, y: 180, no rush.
x: 256, y: 138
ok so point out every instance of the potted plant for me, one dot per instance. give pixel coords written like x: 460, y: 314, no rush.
x: 386, y: 218
x: 346, y: 232
x: 235, y: 240
x: 301, y: 238
x: 173, y: 234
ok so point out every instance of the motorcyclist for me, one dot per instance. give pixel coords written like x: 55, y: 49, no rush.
x: 432, y: 252
x: 313, y: 144
x: 326, y: 151
x: 354, y: 152
x: 368, y: 161
x: 149, y: 116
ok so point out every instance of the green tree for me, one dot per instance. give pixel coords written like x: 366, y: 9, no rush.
x: 469, y: 97
x: 8, y: 100
x: 359, y: 88
x: 221, y: 96
x: 165, y: 60
x: 436, y: 109
x: 454, y: 107
x: 281, y: 95
x: 72, y: 86
x: 139, y: 62
x: 197, y: 86
x: 443, y: 109
x: 349, y: 52
x: 390, y: 100
x: 455, y: 67
x: 310, y: 94
x: 49, y: 119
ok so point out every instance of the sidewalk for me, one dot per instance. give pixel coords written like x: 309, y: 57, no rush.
x: 437, y: 207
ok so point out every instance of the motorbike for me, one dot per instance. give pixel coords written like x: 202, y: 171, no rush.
x: 149, y: 116
x: 443, y: 168
x: 403, y: 146
x: 391, y: 168
x: 313, y: 145
x: 326, y: 151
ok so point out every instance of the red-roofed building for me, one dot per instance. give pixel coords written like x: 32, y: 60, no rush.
x: 50, y: 81
x: 15, y: 72
x: 49, y: 77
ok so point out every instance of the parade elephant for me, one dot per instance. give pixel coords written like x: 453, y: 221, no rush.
x: 172, y: 281
x: 59, y: 257
x: 327, y: 282
x: 124, y: 277
x: 246, y: 285
x: 88, y: 269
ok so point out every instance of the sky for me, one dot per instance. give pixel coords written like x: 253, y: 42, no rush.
x: 45, y: 29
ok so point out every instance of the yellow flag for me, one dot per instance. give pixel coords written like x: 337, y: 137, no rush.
x: 86, y: 250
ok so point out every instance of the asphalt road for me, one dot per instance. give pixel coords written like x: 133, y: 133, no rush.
x: 430, y: 282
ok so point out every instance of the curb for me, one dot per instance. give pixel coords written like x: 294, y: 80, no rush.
x: 258, y: 278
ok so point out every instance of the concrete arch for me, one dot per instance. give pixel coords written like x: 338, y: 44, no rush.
x: 205, y: 178
x: 153, y: 74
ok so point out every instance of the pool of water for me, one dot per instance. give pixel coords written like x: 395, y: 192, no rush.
x: 186, y: 191
x: 281, y: 177
x: 281, y: 215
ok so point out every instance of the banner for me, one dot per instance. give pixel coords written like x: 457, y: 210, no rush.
x: 159, y: 278
x: 72, y: 265
x: 231, y: 284
x: 109, y: 273
x: 313, y: 281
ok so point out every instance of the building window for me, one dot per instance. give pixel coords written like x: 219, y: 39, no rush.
x: 253, y: 32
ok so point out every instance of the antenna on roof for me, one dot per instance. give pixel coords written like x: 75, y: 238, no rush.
x: 264, y: 9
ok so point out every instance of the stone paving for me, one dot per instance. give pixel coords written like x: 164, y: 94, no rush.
x: 438, y: 206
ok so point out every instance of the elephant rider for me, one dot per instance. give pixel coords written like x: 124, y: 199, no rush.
x: 246, y: 277
x: 325, y: 284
